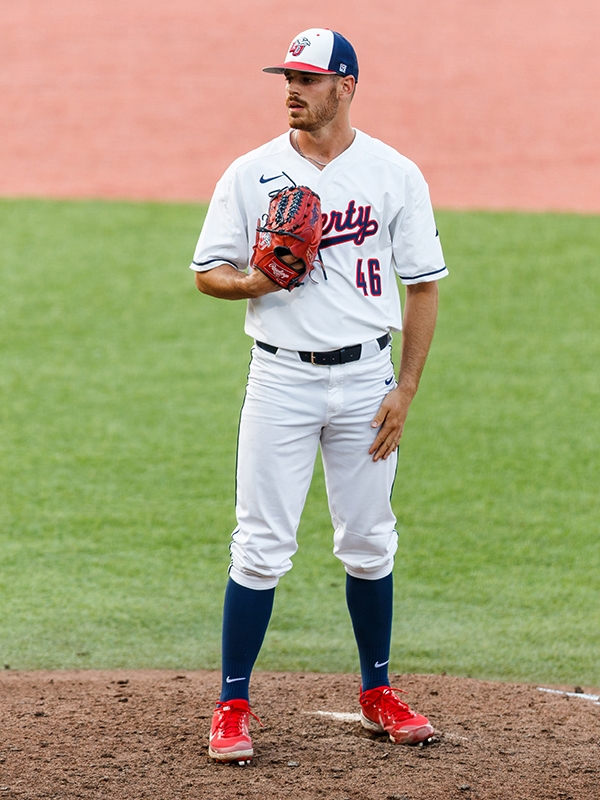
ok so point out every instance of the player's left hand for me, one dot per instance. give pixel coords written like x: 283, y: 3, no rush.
x: 390, y: 420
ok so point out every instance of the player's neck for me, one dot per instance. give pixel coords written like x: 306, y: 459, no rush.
x: 321, y: 147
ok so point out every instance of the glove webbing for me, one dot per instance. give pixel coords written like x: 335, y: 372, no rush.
x: 290, y: 205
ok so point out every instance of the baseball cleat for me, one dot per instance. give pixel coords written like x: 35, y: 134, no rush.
x: 229, y: 736
x: 383, y: 712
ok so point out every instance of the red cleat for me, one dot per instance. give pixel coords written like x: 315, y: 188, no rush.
x: 229, y: 737
x: 383, y: 712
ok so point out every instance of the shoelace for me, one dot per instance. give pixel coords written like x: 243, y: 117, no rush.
x: 231, y: 721
x: 392, y: 703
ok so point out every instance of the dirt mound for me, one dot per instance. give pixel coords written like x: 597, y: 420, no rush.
x: 143, y: 734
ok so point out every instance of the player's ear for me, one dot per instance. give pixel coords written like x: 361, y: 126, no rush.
x: 346, y: 87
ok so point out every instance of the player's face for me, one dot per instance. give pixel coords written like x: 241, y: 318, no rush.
x: 312, y: 100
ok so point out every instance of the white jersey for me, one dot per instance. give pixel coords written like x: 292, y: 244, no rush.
x: 378, y: 223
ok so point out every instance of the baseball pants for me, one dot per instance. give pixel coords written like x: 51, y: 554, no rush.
x: 290, y: 409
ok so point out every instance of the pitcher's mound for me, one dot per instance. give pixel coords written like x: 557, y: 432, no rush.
x: 143, y: 734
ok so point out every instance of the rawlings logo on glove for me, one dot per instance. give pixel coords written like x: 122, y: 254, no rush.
x: 287, y: 244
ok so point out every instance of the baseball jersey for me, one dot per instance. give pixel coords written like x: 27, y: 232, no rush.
x: 378, y: 223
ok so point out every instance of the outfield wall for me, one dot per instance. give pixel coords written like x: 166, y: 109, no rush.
x: 496, y: 100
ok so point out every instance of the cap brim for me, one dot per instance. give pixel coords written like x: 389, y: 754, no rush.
x: 298, y: 66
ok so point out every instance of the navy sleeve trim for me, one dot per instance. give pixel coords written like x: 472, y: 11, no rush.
x: 214, y: 261
x: 422, y: 274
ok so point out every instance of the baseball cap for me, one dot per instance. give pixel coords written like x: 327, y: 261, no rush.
x: 319, y: 50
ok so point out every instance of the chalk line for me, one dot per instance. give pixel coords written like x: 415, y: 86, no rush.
x: 593, y: 697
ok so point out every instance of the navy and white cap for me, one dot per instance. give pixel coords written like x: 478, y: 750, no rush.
x: 319, y: 50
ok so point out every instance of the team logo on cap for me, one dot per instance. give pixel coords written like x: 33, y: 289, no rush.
x: 298, y: 46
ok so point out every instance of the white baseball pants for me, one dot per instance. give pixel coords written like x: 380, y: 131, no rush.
x: 291, y: 408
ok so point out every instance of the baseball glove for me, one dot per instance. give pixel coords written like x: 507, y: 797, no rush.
x: 287, y: 243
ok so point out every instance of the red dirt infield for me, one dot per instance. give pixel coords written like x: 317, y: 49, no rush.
x: 141, y: 735
x: 496, y: 102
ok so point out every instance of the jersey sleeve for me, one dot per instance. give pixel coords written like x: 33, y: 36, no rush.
x: 418, y: 255
x: 224, y: 237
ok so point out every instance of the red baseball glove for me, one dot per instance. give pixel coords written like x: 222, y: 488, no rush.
x: 287, y: 244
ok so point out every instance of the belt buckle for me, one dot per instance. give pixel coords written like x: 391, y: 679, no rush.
x: 312, y: 358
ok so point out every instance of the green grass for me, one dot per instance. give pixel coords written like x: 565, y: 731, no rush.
x: 120, y: 389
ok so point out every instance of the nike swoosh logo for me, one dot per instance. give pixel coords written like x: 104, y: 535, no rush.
x: 387, y: 383
x: 262, y: 178
x: 233, y: 680
x: 377, y: 664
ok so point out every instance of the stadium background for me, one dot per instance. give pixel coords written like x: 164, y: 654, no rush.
x: 496, y: 101
x: 120, y: 388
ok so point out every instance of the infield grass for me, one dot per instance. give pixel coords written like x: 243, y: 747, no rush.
x: 120, y: 392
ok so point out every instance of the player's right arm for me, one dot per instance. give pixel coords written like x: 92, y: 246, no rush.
x: 229, y: 283
x: 222, y: 255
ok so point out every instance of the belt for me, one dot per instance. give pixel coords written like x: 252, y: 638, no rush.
x: 330, y: 357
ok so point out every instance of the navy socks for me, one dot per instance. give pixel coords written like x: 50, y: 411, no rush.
x: 370, y: 604
x: 246, y: 615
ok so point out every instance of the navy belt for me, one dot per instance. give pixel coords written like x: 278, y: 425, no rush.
x: 330, y: 357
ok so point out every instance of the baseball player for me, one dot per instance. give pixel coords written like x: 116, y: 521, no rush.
x: 320, y: 373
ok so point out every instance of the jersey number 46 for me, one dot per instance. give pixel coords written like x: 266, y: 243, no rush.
x: 371, y: 282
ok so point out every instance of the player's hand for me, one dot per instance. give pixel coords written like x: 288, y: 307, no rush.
x: 263, y: 284
x: 228, y: 283
x: 258, y: 284
x: 291, y: 261
x: 390, y: 420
